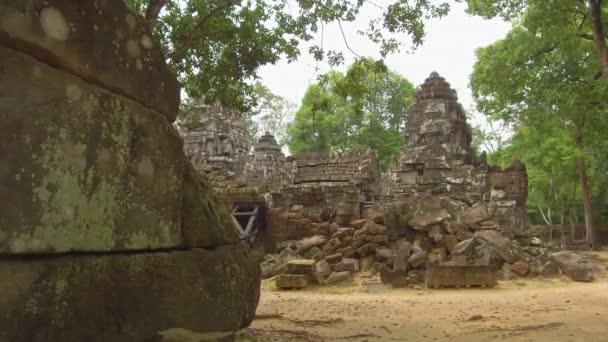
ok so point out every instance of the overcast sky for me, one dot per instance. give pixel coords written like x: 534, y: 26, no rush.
x: 449, y: 49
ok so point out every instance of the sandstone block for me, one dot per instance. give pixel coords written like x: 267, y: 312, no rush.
x: 85, y: 169
x: 338, y: 277
x: 291, y: 281
x: 127, y: 298
x: 334, y: 258
x: 100, y: 41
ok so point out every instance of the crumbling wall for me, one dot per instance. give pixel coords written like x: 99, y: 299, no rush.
x: 324, y: 179
x: 109, y: 233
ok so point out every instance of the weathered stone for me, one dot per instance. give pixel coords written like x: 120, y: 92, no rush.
x: 465, y: 247
x: 127, y: 297
x: 367, y: 249
x: 358, y: 224
x: 531, y: 241
x: 309, y: 242
x: 521, y: 268
x: 574, y: 266
x: 206, y: 221
x: 334, y: 258
x: 464, y: 235
x: 301, y: 266
x: 450, y: 242
x: 507, y: 249
x: 402, y: 255
x: 338, y: 277
x: 85, y: 169
x: 383, y: 254
x: 550, y: 269
x: 397, y: 279
x: 322, y: 270
x: 475, y: 214
x: 291, y: 281
x: 435, y: 234
x: 418, y: 259
x: 102, y: 42
x: 458, y: 276
x: 314, y: 253
x: 346, y: 264
x: 429, y: 218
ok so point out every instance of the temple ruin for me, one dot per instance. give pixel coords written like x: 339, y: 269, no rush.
x: 437, y: 206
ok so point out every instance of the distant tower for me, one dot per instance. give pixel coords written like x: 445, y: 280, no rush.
x: 268, y: 161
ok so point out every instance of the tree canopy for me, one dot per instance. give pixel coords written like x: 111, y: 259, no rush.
x: 365, y: 107
x: 217, y: 46
x: 543, y: 78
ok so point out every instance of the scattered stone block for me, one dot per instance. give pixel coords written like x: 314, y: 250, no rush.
x: 334, y: 258
x: 291, y: 281
x: 338, y: 277
x: 346, y: 264
x: 574, y: 266
x: 521, y: 268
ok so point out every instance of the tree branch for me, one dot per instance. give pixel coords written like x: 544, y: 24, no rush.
x: 153, y: 10
x: 196, y: 33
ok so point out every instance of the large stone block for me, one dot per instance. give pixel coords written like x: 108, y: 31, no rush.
x: 127, y: 297
x: 206, y: 221
x: 100, y: 41
x: 81, y: 168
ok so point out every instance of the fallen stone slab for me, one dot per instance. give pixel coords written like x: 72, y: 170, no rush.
x: 397, y: 279
x: 301, y: 266
x: 291, y: 281
x: 460, y: 276
x: 127, y: 298
x: 338, y: 277
x: 573, y: 265
x: 334, y: 258
x: 509, y: 250
x: 431, y: 217
x: 346, y: 264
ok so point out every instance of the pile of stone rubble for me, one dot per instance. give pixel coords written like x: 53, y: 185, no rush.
x: 411, y: 236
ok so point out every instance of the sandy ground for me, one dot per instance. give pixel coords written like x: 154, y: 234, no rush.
x: 517, y: 310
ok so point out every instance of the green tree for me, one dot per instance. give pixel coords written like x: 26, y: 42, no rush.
x: 271, y: 113
x: 365, y: 107
x: 217, y: 46
x: 552, y: 18
x: 545, y: 82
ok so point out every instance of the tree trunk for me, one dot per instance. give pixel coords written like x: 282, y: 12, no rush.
x: 587, y: 205
x: 153, y: 10
x: 595, y: 11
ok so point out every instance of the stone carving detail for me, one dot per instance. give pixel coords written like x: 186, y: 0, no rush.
x: 215, y: 138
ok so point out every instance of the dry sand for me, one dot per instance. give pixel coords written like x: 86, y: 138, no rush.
x: 517, y: 310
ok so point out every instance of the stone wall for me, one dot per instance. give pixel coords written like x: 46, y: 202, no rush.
x: 109, y: 234
x: 327, y: 179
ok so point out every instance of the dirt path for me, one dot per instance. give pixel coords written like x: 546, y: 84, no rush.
x: 530, y: 310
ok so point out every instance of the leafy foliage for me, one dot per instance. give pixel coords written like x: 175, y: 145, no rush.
x: 366, y: 107
x: 217, y: 46
x: 543, y: 79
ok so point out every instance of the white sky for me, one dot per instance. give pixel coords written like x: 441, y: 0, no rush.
x: 449, y: 49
